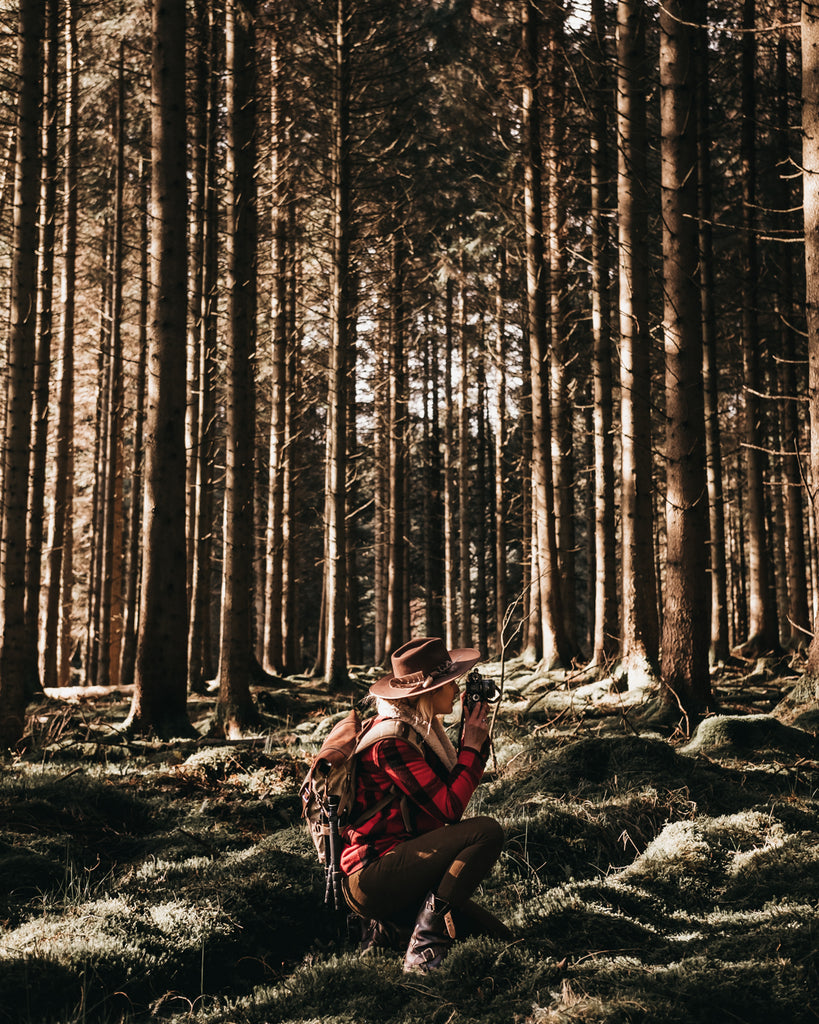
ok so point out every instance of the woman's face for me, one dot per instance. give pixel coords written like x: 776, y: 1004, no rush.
x: 444, y: 698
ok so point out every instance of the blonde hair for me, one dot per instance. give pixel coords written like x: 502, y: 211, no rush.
x: 421, y: 709
x: 424, y: 707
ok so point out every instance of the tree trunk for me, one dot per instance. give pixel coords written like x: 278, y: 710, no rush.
x: 96, y: 555
x: 291, y: 536
x: 281, y: 178
x: 710, y: 370
x: 48, y: 185
x: 776, y: 529
x: 606, y: 626
x: 7, y: 173
x: 685, y: 677
x: 110, y: 642
x: 134, y: 561
x: 383, y: 414
x: 397, y: 400
x: 563, y: 459
x: 200, y: 72
x: 335, y: 659
x: 352, y: 608
x: 640, y: 630
x: 481, y: 505
x: 501, y: 512
x: 235, y: 708
x: 200, y: 647
x: 450, y: 548
x: 813, y: 560
x: 60, y: 546
x: 432, y: 497
x: 762, y: 609
x: 42, y: 370
x: 798, y: 615
x: 530, y: 632
x: 739, y: 561
x: 15, y: 660
x: 810, y: 206
x: 159, y: 701
x: 555, y: 649
x: 464, y: 447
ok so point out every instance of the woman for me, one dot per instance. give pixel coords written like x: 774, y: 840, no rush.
x: 414, y: 850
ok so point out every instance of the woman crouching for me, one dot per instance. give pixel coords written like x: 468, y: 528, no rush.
x: 408, y: 847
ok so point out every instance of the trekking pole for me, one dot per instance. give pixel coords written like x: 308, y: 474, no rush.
x: 333, y: 895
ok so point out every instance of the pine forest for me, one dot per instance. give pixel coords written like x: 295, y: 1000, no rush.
x: 328, y: 325
x: 332, y: 323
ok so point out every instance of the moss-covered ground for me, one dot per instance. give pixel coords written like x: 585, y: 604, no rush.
x: 646, y: 877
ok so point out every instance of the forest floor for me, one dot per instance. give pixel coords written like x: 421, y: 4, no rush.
x: 645, y: 877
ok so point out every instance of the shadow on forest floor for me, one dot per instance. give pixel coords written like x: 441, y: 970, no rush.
x: 645, y: 878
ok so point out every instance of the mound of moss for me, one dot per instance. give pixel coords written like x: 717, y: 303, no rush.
x: 750, y: 737
x: 201, y: 924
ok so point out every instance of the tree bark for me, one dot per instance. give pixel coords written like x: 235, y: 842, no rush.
x: 383, y: 414
x: 352, y: 603
x: 42, y: 370
x: 481, y: 505
x: 685, y: 677
x: 281, y: 178
x: 235, y: 708
x: 291, y: 535
x: 450, y: 547
x: 798, y: 615
x: 739, y: 557
x: 110, y: 642
x: 762, y: 626
x: 200, y: 73
x: 134, y: 560
x: 555, y: 648
x: 710, y: 369
x: 202, y: 349
x: 201, y: 511
x: 396, y: 460
x: 464, y: 446
x: 432, y: 497
x: 530, y: 646
x: 159, y: 702
x: 640, y: 627
x: 501, y: 512
x: 335, y: 663
x: 15, y: 661
x: 563, y: 457
x: 57, y: 628
x: 810, y: 206
x: 606, y: 624
x: 96, y: 555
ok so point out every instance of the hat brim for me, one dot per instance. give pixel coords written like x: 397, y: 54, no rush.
x: 463, y: 659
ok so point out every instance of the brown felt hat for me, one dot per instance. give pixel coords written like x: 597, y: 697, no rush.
x: 421, y: 665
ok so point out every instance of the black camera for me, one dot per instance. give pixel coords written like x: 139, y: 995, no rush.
x: 479, y: 690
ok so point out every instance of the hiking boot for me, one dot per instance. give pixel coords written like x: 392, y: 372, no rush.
x: 386, y: 935
x: 432, y: 936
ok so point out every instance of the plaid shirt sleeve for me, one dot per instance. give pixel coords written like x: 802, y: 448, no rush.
x: 443, y: 799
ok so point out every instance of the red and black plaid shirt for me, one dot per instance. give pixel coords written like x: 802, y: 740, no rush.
x: 436, y: 795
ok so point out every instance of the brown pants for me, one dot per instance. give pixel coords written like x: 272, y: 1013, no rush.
x: 451, y: 862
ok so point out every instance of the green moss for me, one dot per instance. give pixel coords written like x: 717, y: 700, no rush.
x: 641, y: 884
x: 751, y: 736
x: 24, y: 873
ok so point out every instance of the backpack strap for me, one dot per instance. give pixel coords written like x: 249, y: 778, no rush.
x: 389, y: 728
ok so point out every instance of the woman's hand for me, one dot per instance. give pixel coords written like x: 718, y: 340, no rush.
x: 475, y: 730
